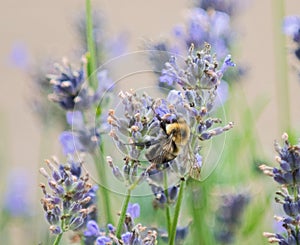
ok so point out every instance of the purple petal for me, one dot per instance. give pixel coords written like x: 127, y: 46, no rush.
x: 70, y: 143
x: 102, y: 240
x: 133, y: 210
x: 92, y: 229
x: 75, y: 119
x: 126, y: 237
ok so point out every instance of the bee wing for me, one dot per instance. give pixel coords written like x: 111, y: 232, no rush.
x: 146, y: 144
x: 162, y: 152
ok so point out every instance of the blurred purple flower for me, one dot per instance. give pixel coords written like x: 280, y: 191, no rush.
x: 230, y: 7
x: 117, y: 45
x: 70, y: 143
x: 19, y: 56
x: 291, y: 27
x: 103, y: 240
x: 17, y: 195
x: 105, y: 84
x: 81, y: 138
x: 92, y: 229
x: 75, y: 119
x: 205, y: 26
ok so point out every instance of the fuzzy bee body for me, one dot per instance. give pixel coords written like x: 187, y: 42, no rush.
x: 169, y: 143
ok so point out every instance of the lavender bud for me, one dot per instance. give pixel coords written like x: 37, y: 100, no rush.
x: 117, y: 173
x: 56, y: 176
x: 52, y: 218
x: 79, y: 186
x: 76, y: 223
x: 56, y: 230
x: 56, y: 211
x: 173, y: 191
x: 75, y: 208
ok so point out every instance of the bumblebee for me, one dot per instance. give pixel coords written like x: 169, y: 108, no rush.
x: 167, y: 146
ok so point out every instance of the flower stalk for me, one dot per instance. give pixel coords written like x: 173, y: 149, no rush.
x: 123, y: 214
x: 57, y: 239
x: 172, y: 235
x: 168, y: 215
x: 91, y: 56
x: 99, y: 162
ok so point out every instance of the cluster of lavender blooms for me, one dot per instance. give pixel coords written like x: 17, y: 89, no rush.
x: 208, y: 21
x: 132, y: 234
x: 197, y: 80
x: 228, y: 216
x: 70, y: 89
x: 73, y: 94
x: 291, y: 28
x: 288, y: 176
x: 106, y: 47
x: 70, y: 203
x: 229, y: 7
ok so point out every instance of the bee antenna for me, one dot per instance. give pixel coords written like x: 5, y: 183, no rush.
x: 156, y: 114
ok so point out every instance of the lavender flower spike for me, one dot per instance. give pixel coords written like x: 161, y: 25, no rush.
x: 71, y: 199
x: 287, y: 174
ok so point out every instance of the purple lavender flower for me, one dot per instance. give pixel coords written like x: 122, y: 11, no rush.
x: 19, y: 56
x: 208, y: 22
x: 161, y: 200
x: 288, y: 176
x: 181, y: 234
x: 137, y: 235
x: 126, y: 238
x: 102, y: 240
x: 82, y: 138
x: 92, y: 229
x: 67, y: 85
x: 117, y: 45
x: 133, y: 210
x: 17, y: 195
x: 91, y: 233
x: 229, y: 216
x: 70, y: 90
x: 70, y: 143
x: 142, y: 129
x: 230, y: 6
x: 291, y: 27
x: 69, y: 203
x: 206, y: 26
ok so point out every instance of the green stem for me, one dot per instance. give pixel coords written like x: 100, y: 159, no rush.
x: 99, y: 162
x: 123, y: 214
x: 281, y: 67
x: 168, y: 215
x: 57, y: 239
x: 172, y: 235
x: 91, y: 56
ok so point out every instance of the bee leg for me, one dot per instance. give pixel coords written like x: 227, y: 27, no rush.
x: 152, y: 166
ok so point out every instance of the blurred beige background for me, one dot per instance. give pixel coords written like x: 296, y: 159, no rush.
x: 45, y: 28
